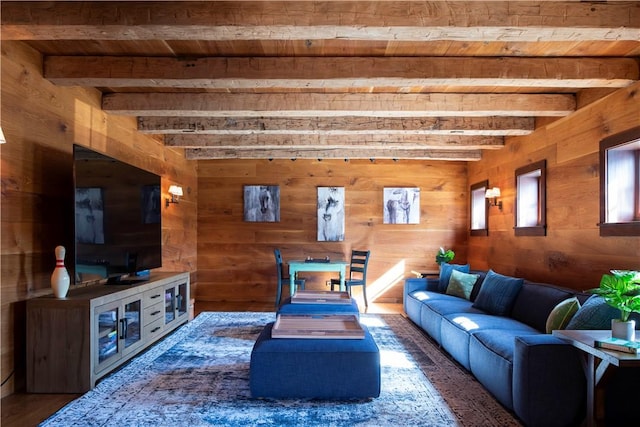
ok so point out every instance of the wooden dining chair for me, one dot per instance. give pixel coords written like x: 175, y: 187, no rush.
x: 357, y: 273
x: 283, y: 277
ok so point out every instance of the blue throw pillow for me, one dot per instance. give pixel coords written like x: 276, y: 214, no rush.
x: 461, y: 284
x: 445, y: 274
x: 498, y: 294
x: 594, y: 314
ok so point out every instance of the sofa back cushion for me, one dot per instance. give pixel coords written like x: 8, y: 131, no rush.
x: 445, y: 274
x: 498, y: 293
x: 535, y: 302
x: 594, y: 314
x: 482, y: 274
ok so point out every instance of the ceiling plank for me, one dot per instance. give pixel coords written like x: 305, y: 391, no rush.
x: 343, y: 104
x: 338, y: 72
x: 488, y: 126
x: 314, y: 153
x: 374, y: 20
x: 335, y: 142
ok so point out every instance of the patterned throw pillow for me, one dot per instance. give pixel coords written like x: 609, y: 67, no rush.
x: 498, y: 294
x: 461, y: 284
x: 562, y: 314
x: 594, y: 314
x: 445, y: 274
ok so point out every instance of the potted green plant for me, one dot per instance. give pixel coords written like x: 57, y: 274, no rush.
x: 621, y: 290
x: 443, y: 256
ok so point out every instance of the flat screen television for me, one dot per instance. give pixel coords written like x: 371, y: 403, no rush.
x: 118, y: 229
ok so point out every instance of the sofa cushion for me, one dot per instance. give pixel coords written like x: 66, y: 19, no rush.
x: 535, y: 301
x: 594, y: 314
x: 413, y: 302
x: 456, y: 328
x: 561, y: 314
x: 432, y: 314
x: 501, y: 341
x: 473, y: 322
x: 450, y: 305
x: 461, y: 284
x: 445, y: 274
x: 498, y: 293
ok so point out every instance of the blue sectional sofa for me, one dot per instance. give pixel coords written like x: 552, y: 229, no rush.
x: 498, y: 331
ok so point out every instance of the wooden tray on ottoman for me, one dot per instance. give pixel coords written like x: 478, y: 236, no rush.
x: 321, y: 297
x: 317, y: 326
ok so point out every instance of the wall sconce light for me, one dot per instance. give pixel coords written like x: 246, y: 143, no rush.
x: 3, y: 140
x: 176, y: 193
x: 492, y: 195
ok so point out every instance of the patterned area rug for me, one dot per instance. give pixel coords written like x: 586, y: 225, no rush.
x: 199, y: 376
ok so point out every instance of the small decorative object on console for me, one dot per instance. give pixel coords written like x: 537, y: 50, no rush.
x: 325, y: 259
x: 60, y: 279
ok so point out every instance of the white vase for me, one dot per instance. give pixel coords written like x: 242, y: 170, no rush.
x: 60, y: 279
x: 623, y: 330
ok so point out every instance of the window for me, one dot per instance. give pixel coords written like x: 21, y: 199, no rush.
x: 479, y: 209
x: 620, y: 184
x: 530, y: 212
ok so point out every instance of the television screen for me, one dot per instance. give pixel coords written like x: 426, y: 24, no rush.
x: 118, y: 228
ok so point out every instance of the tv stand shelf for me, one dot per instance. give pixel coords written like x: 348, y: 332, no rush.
x: 72, y: 342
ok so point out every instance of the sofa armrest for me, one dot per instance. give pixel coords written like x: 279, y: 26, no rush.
x: 420, y: 284
x: 549, y: 385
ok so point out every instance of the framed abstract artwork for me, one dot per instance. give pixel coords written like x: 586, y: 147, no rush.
x: 262, y: 203
x: 401, y: 205
x: 330, y: 214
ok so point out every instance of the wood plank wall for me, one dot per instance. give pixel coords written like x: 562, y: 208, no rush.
x: 41, y: 122
x: 572, y: 254
x: 235, y: 258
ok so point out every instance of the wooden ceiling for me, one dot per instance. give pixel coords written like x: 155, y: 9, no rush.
x: 335, y: 79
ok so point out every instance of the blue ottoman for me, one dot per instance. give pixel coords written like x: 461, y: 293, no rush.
x: 296, y: 308
x: 314, y: 368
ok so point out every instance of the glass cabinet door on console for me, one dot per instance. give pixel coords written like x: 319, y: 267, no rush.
x: 108, y: 346
x: 118, y: 331
x: 169, y: 304
x: 131, y: 325
x: 182, y: 302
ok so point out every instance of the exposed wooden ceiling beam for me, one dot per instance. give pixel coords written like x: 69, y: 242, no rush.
x: 347, y: 20
x: 336, y: 142
x: 337, y: 78
x: 314, y: 153
x: 338, y: 72
x: 329, y: 105
x: 488, y: 126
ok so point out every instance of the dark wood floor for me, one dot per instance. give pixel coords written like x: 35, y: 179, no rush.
x: 26, y: 410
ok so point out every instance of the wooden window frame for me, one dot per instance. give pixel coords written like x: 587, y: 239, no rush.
x: 631, y: 228
x: 479, y: 231
x: 541, y: 228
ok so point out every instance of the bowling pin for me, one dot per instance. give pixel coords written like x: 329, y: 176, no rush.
x: 60, y: 278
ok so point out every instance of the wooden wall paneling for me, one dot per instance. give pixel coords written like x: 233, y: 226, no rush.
x: 443, y: 207
x: 41, y: 122
x: 573, y: 253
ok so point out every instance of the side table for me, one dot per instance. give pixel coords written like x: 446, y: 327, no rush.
x: 596, y: 362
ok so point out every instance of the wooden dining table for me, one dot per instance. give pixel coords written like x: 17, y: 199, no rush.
x: 297, y: 266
